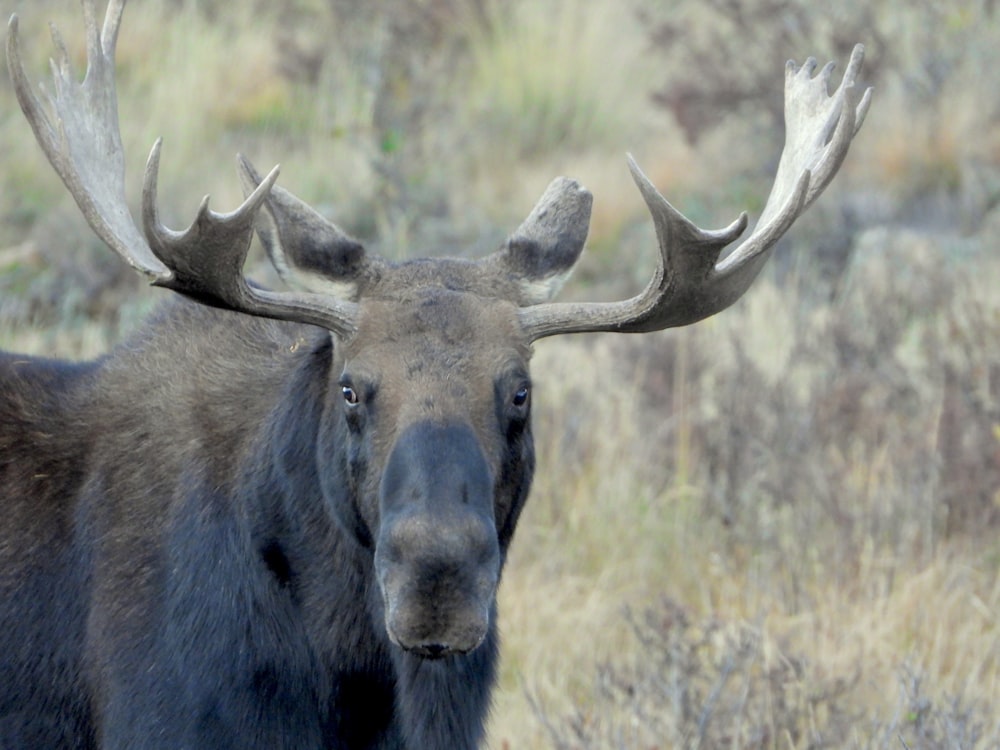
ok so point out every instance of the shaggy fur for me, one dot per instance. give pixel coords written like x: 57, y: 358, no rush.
x: 187, y: 557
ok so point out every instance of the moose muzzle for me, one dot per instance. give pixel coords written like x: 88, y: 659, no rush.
x: 437, y: 556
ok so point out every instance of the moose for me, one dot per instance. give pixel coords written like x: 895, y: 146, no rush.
x: 278, y: 519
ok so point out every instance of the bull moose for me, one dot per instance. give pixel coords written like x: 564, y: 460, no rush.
x: 278, y: 519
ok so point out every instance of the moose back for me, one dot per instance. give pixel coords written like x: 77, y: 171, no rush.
x: 278, y: 519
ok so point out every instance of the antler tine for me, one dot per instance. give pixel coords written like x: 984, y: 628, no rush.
x: 820, y: 128
x: 207, y: 260
x: 83, y: 143
x: 689, y: 282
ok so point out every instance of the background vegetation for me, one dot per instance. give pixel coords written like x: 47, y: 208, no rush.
x: 776, y: 529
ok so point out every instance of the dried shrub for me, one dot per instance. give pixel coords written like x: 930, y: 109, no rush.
x: 736, y: 48
x: 704, y: 683
x: 923, y: 720
x: 710, y: 683
x: 875, y: 419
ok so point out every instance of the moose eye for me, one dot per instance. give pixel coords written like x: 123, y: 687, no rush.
x: 350, y: 395
x: 521, y: 396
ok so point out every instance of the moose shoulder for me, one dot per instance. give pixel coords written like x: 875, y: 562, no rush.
x: 279, y: 519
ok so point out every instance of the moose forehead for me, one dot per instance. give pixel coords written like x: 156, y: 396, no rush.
x: 437, y: 320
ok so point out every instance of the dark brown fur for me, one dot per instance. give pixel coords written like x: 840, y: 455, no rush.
x: 188, y: 552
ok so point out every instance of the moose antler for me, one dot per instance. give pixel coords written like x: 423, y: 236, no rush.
x: 83, y: 144
x: 690, y: 283
x: 205, y: 261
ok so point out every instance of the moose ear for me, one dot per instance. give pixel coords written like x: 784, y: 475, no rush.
x: 541, y: 254
x: 308, y: 251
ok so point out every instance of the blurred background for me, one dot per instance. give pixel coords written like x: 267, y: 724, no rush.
x: 779, y: 528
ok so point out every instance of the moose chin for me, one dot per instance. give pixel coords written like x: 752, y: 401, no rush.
x: 278, y: 519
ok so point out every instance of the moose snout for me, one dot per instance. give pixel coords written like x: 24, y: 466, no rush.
x: 438, y: 584
x: 437, y: 556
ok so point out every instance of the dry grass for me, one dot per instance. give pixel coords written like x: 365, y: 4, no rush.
x: 775, y: 518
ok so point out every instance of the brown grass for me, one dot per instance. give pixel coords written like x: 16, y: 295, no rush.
x: 830, y: 554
